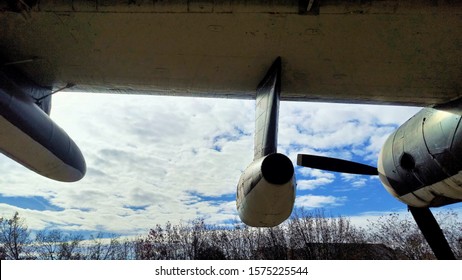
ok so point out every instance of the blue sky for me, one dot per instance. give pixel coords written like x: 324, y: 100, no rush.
x: 153, y: 159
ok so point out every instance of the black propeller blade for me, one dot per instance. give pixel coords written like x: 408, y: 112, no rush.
x: 423, y: 216
x: 336, y: 165
x: 432, y: 233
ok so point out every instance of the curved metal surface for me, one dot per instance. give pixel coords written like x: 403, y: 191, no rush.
x: 31, y: 138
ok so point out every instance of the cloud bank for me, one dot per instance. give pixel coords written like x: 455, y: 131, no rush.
x: 154, y: 159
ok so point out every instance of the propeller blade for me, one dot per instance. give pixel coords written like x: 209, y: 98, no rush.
x: 432, y: 233
x: 336, y: 165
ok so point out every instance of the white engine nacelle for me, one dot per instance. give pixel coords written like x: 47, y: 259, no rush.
x: 266, y: 191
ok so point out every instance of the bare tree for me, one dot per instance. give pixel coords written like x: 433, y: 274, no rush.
x: 214, y: 244
x: 3, y: 255
x: 124, y: 249
x: 192, y: 238
x: 313, y: 235
x: 401, y: 234
x: 238, y: 242
x: 15, y: 238
x: 48, y: 244
x: 163, y: 243
x: 69, y: 249
x: 251, y: 240
x: 143, y: 249
x: 307, y: 235
x: 97, y: 249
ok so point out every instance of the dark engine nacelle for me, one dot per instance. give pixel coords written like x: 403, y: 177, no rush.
x: 30, y: 137
x: 266, y: 191
x: 421, y: 163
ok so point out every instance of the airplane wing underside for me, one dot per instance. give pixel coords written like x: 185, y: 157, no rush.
x: 392, y: 52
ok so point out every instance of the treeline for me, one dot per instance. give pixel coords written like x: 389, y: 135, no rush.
x: 306, y: 235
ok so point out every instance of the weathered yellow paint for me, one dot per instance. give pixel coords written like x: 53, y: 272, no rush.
x: 400, y: 52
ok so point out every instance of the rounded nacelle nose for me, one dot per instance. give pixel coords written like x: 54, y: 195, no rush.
x: 266, y: 191
x: 420, y: 162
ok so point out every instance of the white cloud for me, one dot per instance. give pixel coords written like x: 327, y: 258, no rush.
x: 351, y: 132
x: 318, y: 201
x: 322, y: 126
x: 141, y: 151
x: 155, y: 159
x: 354, y: 180
x: 312, y: 183
x: 315, y: 173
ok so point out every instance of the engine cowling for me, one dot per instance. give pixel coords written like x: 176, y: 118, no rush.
x: 420, y: 163
x: 30, y: 137
x: 266, y: 191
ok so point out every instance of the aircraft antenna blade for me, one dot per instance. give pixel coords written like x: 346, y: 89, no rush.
x: 336, y: 165
x: 432, y: 233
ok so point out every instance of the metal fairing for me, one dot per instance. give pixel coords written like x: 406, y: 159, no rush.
x: 30, y: 137
x: 13, y: 76
x: 420, y: 163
